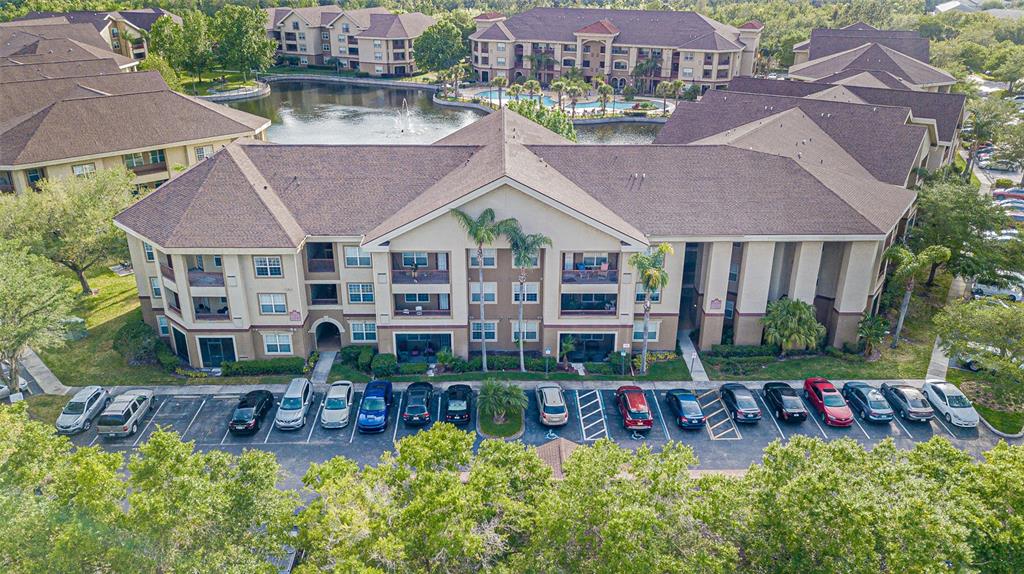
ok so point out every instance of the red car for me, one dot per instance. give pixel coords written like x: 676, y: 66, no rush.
x: 632, y: 403
x: 825, y: 399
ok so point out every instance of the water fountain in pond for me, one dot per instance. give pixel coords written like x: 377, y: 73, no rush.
x: 403, y: 122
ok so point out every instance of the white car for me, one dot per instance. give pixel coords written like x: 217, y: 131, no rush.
x: 951, y: 404
x: 1013, y: 291
x: 337, y: 405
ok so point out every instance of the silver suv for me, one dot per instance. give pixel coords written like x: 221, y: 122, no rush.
x: 295, y: 404
x: 124, y: 414
x: 81, y: 409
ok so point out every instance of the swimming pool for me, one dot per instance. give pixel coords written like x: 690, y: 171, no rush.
x: 492, y: 95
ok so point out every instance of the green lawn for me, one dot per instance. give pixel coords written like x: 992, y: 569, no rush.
x: 908, y: 361
x: 45, y: 408
x: 960, y: 164
x: 512, y: 424
x: 212, y: 81
x: 1001, y: 402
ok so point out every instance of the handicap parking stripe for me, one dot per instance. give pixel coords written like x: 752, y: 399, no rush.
x: 595, y: 407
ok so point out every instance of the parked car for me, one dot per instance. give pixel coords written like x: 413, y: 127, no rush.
x: 337, y: 405
x: 685, y: 408
x: 951, y: 403
x: 86, y: 405
x: 418, y: 398
x: 295, y: 405
x: 551, y: 405
x: 908, y: 402
x: 250, y: 412
x: 784, y: 401
x: 1012, y: 292
x: 740, y: 403
x: 124, y: 413
x: 825, y: 399
x: 867, y: 401
x: 997, y: 165
x: 1011, y: 203
x: 1008, y: 193
x: 375, y: 407
x: 632, y: 404
x: 457, y: 404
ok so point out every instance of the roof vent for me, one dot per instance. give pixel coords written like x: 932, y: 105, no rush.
x: 799, y: 155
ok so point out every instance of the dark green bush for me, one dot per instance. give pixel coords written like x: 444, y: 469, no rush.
x: 742, y: 351
x: 1002, y: 183
x: 384, y: 365
x: 413, y: 368
x: 365, y: 360
x: 537, y: 364
x: 166, y: 357
x: 458, y: 365
x: 136, y: 342
x: 739, y: 365
x: 278, y: 366
x: 599, y: 368
x: 502, y: 362
x: 475, y: 364
x: 350, y: 354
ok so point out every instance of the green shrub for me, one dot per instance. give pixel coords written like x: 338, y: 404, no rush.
x: 350, y: 354
x: 278, y: 366
x: 136, y: 342
x: 742, y: 351
x: 1003, y: 183
x: 413, y: 368
x: 537, y: 364
x: 475, y: 364
x: 166, y: 357
x: 502, y: 362
x: 365, y: 359
x: 384, y: 365
x: 458, y: 365
x: 739, y: 365
x: 600, y: 368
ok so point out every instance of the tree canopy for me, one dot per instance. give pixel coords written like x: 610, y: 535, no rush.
x: 440, y: 47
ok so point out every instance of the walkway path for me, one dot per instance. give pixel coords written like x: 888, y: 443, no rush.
x: 42, y: 374
x: 323, y: 367
x: 939, y: 364
x: 691, y: 357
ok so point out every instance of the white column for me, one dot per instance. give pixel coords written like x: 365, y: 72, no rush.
x: 718, y: 256
x: 752, y: 294
x: 803, y: 277
x: 852, y: 290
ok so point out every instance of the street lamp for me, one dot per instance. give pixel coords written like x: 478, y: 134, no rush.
x: 547, y: 353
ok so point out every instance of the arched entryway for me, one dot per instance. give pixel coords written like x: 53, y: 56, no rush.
x: 328, y: 336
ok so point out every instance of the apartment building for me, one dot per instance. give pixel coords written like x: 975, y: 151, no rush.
x: 43, y: 42
x: 271, y: 250
x: 371, y: 40
x: 124, y: 31
x: 543, y: 43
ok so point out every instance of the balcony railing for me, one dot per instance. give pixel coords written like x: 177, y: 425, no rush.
x: 601, y: 311
x: 422, y: 312
x: 149, y: 168
x: 6, y: 188
x: 320, y: 265
x: 425, y: 276
x: 324, y: 301
x: 167, y: 271
x: 205, y: 279
x: 590, y: 276
x: 206, y: 316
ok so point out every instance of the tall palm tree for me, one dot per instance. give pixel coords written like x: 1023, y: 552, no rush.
x: 559, y: 86
x: 455, y: 75
x: 679, y: 87
x: 514, y: 91
x: 666, y: 90
x: 499, y: 83
x: 642, y: 72
x: 605, y: 92
x: 872, y: 328
x: 574, y: 90
x: 909, y: 266
x: 653, y: 276
x: 532, y: 88
x: 525, y: 248
x: 483, y: 230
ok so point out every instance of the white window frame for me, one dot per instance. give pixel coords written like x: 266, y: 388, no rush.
x: 501, y: 47
x: 532, y: 292
x: 653, y: 330
x: 734, y: 272
x: 280, y: 340
x: 418, y: 258
x: 148, y: 252
x: 531, y: 327
x: 359, y: 295
x: 687, y: 72
x: 162, y: 326
x: 479, y: 330
x: 270, y: 303
x: 267, y: 262
x: 730, y: 308
x: 325, y: 35
x: 500, y: 61
x: 489, y: 253
x: 203, y: 152
x: 641, y: 294
x: 377, y: 44
x: 489, y: 290
x: 416, y: 297
x: 83, y: 169
x: 155, y: 289
x: 358, y: 255
x: 378, y: 69
x: 363, y: 331
x: 594, y: 260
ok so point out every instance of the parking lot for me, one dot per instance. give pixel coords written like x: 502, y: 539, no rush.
x: 720, y: 444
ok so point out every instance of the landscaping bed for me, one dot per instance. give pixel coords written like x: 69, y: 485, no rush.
x: 1001, y: 402
x: 214, y: 84
x: 512, y: 426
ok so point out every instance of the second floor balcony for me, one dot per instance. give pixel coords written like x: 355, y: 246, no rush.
x: 211, y: 309
x: 589, y: 304
x: 320, y: 258
x: 422, y: 305
x: 323, y: 294
x: 424, y: 267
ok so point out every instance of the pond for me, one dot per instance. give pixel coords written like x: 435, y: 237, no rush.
x: 321, y: 113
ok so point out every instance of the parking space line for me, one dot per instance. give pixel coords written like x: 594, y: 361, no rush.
x: 438, y: 419
x: 661, y: 415
x: 896, y: 417
x: 312, y: 425
x: 590, y: 403
x: 591, y: 424
x: 579, y: 410
x: 714, y: 413
x: 939, y: 418
x: 720, y: 423
x: 352, y: 436
x: 226, y: 432
x: 269, y: 432
x: 94, y: 439
x: 706, y: 394
x: 194, y: 417
x: 768, y: 414
x: 394, y: 434
x: 861, y: 427
x: 138, y: 438
x: 811, y: 415
x: 604, y: 427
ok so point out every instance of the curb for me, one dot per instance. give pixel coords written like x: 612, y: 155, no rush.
x: 516, y: 436
x: 457, y: 104
x: 379, y: 83
x: 1000, y: 433
x: 262, y: 89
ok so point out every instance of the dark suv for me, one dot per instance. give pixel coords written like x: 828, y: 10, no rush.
x: 249, y: 414
x: 418, y: 398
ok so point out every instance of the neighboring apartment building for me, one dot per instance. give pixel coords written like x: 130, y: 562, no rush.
x: 827, y: 41
x: 41, y: 42
x: 543, y: 43
x: 124, y: 31
x: 267, y: 250
x: 371, y: 40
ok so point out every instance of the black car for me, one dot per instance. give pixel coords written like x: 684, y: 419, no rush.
x: 784, y: 401
x: 456, y: 401
x: 867, y: 402
x: 248, y: 415
x: 740, y: 403
x: 418, y: 398
x: 685, y: 408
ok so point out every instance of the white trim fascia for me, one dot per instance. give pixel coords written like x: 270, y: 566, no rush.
x: 775, y: 238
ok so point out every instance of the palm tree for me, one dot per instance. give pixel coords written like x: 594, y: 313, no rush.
x: 514, y: 91
x: 499, y: 83
x: 574, y: 90
x: 605, y: 92
x: 567, y: 346
x: 872, y: 328
x: 532, y: 87
x: 525, y: 249
x: 483, y: 230
x: 679, y: 86
x: 539, y: 61
x: 791, y: 324
x: 666, y: 90
x: 650, y: 267
x: 641, y: 73
x: 559, y: 86
x: 497, y: 399
x: 455, y: 75
x: 909, y: 266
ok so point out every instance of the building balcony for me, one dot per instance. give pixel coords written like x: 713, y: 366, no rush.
x: 211, y: 309
x: 585, y: 304
x: 205, y: 278
x: 212, y: 316
x: 324, y: 301
x: 423, y: 312
x: 167, y: 271
x: 320, y: 265
x: 149, y: 168
x: 423, y: 276
x: 588, y: 312
x: 6, y: 188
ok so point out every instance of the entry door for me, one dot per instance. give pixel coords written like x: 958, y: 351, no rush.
x: 181, y: 345
x: 216, y: 350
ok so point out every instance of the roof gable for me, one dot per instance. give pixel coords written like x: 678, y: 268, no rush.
x: 873, y: 57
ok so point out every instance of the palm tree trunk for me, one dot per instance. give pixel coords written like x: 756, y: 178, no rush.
x: 483, y: 333
x: 522, y: 329
x: 970, y: 160
x: 904, y: 305
x: 647, y: 320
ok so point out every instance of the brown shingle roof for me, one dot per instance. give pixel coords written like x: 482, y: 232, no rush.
x: 11, y: 72
x: 397, y: 26
x: 867, y: 79
x: 142, y: 18
x: 602, y: 26
x: 20, y: 98
x: 30, y: 44
x: 873, y: 57
x: 826, y: 41
x: 555, y: 453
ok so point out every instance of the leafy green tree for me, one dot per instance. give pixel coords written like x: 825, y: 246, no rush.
x: 483, y: 230
x: 526, y: 248
x: 605, y: 94
x: 565, y: 348
x: 551, y: 118
x: 514, y: 91
x: 666, y: 90
x: 1011, y: 146
x: 1006, y: 63
x: 650, y: 268
x: 157, y: 63
x: 642, y: 74
x: 70, y: 220
x: 196, y: 45
x: 991, y: 331
x: 497, y: 399
x: 165, y: 40
x: 986, y: 118
x: 532, y: 88
x: 872, y: 328
x: 908, y: 267
x: 34, y: 306
x: 462, y: 20
x: 440, y: 47
x: 241, y: 39
x: 997, y: 532
x: 792, y: 324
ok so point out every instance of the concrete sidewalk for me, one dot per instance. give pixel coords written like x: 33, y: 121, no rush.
x: 42, y: 374
x: 938, y: 366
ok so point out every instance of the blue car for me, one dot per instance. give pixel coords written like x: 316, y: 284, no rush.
x: 685, y: 408
x: 374, y: 408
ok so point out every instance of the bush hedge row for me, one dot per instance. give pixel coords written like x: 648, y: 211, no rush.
x: 278, y: 366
